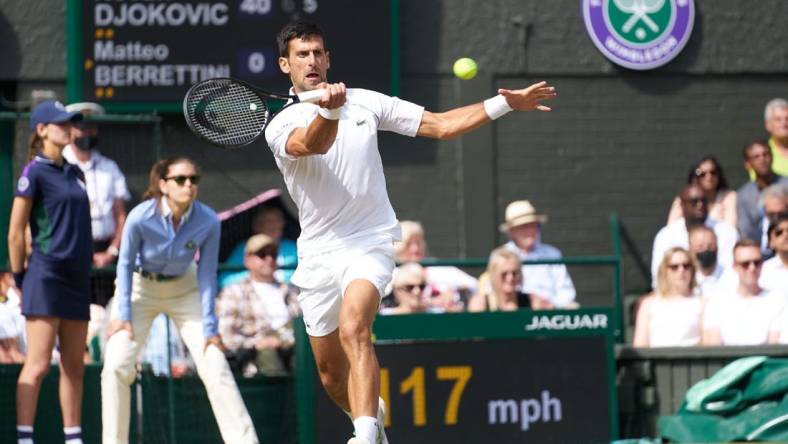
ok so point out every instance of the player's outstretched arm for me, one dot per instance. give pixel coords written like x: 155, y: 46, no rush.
x: 459, y: 121
x: 318, y: 137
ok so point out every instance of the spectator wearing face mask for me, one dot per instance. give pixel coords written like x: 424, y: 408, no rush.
x: 107, y: 193
x: 710, y: 275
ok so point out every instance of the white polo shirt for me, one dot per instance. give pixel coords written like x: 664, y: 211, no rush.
x: 744, y: 320
x: 104, y: 183
x: 774, y: 276
x: 341, y: 195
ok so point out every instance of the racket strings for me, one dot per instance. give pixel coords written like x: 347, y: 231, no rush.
x: 226, y: 113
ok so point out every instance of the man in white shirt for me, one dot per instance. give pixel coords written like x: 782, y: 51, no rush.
x: 695, y: 207
x: 749, y: 315
x: 774, y: 276
x: 551, y: 285
x: 329, y: 158
x: 711, y: 277
x: 107, y: 193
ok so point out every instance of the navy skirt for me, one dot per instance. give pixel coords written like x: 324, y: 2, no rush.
x: 56, y: 288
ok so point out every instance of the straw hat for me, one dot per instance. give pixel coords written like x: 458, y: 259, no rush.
x: 521, y: 212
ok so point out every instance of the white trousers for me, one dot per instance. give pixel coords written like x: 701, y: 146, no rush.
x: 179, y: 299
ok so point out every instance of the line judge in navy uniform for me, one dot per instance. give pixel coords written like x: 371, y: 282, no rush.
x: 51, y: 198
x: 157, y: 273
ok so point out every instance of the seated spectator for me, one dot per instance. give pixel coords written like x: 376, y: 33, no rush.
x: 748, y: 314
x: 710, y: 274
x: 12, y: 323
x: 695, y: 209
x: 449, y: 287
x: 708, y: 174
x: 750, y: 215
x: 268, y: 220
x: 551, y: 283
x: 409, y: 291
x: 774, y: 202
x: 776, y: 120
x: 256, y: 314
x: 671, y: 315
x: 501, y: 286
x: 774, y: 274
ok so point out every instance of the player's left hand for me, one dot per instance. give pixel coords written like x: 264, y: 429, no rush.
x: 529, y: 98
x: 216, y: 341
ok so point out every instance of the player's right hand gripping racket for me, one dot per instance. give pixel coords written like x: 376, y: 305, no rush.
x: 230, y: 113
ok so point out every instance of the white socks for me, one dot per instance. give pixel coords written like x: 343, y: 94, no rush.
x: 24, y: 434
x: 73, y: 435
x: 366, y: 428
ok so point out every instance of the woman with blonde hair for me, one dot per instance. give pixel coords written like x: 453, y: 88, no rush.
x: 449, y: 287
x: 671, y: 315
x: 500, y: 286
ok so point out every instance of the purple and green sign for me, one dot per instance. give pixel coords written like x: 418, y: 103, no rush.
x: 639, y: 34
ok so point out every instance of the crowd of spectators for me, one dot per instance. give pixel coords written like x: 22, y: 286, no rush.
x: 719, y: 266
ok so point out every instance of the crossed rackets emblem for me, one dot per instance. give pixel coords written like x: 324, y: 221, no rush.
x: 640, y: 9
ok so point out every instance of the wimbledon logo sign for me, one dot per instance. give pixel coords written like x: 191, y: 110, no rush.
x: 639, y: 34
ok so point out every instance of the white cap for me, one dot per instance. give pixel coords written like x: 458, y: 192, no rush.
x: 86, y: 108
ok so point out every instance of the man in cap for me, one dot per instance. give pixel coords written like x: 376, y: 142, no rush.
x: 550, y: 284
x: 107, y: 192
x: 256, y: 314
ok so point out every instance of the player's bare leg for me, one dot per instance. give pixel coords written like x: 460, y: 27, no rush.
x: 359, y: 307
x: 333, y: 367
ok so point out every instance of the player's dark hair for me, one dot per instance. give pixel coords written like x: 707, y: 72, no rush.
x: 159, y: 171
x: 34, y: 145
x: 297, y: 30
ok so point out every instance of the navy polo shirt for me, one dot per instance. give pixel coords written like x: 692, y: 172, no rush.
x: 60, y: 217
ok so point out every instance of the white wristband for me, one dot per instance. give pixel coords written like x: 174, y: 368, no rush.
x: 330, y: 114
x: 496, y: 107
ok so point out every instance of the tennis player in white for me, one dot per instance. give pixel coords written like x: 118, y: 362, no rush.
x: 328, y: 155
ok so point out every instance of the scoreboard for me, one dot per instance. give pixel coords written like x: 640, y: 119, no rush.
x: 142, y: 55
x: 526, y: 376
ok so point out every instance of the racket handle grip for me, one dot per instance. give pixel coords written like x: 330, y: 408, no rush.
x: 313, y: 96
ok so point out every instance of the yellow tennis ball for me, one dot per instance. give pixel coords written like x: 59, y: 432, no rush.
x: 465, y: 68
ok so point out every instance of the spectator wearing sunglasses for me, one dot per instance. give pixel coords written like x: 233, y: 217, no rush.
x: 695, y: 211
x: 774, y: 274
x: 749, y: 207
x: 256, y: 314
x: 167, y: 264
x: 708, y: 174
x: 748, y: 314
x: 410, y: 291
x: 501, y: 286
x: 671, y: 315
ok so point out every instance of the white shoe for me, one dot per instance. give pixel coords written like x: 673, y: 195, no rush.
x: 355, y: 440
x: 382, y: 422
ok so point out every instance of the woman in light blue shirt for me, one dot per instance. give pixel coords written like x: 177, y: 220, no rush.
x: 167, y: 264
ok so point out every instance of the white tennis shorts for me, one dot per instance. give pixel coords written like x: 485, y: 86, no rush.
x: 323, y: 278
